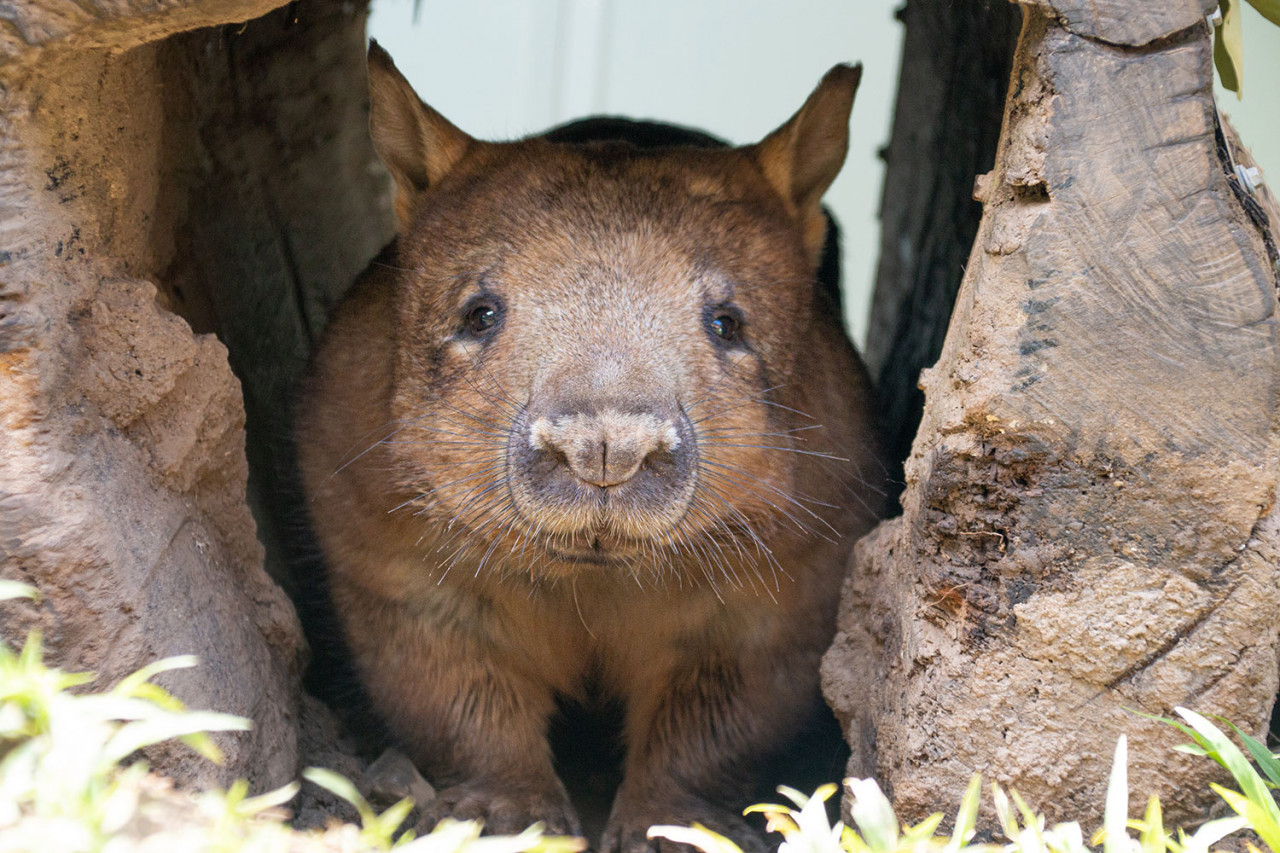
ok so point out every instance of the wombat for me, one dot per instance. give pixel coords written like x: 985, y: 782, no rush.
x: 590, y: 429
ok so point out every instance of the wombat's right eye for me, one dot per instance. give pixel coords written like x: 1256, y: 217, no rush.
x: 481, y: 318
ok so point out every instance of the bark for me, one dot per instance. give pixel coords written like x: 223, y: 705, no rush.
x: 1089, y: 521
x: 955, y: 71
x: 160, y: 183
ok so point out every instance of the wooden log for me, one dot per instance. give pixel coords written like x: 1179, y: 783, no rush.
x: 1089, y: 521
x: 951, y: 92
x: 158, y: 186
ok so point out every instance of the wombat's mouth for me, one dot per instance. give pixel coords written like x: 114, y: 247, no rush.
x: 600, y: 484
x: 603, y: 550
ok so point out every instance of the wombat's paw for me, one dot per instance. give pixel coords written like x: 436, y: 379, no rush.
x: 628, y: 829
x: 504, y: 812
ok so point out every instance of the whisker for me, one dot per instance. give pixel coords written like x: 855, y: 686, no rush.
x: 815, y: 453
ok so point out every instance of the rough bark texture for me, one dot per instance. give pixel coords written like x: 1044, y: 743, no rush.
x: 951, y: 93
x: 1089, y: 521
x: 223, y: 174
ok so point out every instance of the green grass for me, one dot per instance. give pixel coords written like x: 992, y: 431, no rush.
x: 70, y: 782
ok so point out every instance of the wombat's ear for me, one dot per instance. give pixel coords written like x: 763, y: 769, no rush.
x: 803, y: 157
x: 417, y: 144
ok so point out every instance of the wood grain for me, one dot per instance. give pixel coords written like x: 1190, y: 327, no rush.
x: 1089, y: 521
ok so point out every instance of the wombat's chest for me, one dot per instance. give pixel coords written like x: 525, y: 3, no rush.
x: 602, y: 635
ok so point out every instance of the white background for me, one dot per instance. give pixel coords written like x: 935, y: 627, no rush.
x: 500, y: 69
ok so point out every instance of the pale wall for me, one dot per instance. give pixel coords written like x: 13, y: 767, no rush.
x: 737, y: 68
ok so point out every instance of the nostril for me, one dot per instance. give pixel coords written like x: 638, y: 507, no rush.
x: 605, y: 449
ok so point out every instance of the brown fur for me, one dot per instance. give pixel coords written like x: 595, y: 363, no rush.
x: 597, y: 490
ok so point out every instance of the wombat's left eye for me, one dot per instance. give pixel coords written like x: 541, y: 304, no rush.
x: 482, y: 318
x: 724, y: 324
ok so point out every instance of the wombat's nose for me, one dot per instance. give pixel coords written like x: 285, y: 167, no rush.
x: 605, y: 448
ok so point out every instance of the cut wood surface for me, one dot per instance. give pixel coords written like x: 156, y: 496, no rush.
x: 1089, y: 522
x: 1130, y: 23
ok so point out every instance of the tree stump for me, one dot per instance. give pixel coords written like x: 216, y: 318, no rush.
x: 1089, y: 521
x: 170, y: 170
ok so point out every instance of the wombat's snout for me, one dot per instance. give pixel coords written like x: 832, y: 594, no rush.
x: 583, y: 468
x: 607, y: 448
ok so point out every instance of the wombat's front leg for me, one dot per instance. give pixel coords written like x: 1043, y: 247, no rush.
x: 692, y: 741
x: 467, y: 716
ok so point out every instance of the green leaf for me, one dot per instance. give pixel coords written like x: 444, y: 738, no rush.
x: 1210, y: 833
x: 141, y: 733
x: 336, y: 783
x: 1066, y: 838
x: 1004, y: 811
x: 389, y: 821
x: 1201, y: 747
x: 1228, y: 50
x: 129, y: 685
x: 1115, y: 813
x: 1269, y: 9
x: 695, y: 836
x: 1152, y: 837
x: 1230, y: 757
x: 269, y: 800
x: 1267, y: 762
x: 560, y: 844
x: 14, y: 589
x: 873, y: 814
x: 967, y: 816
x: 1260, y: 819
x: 923, y: 830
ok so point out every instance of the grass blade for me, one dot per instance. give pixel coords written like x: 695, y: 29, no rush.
x: 967, y: 816
x: 1230, y: 757
x: 1267, y: 763
x: 1269, y: 9
x: 1267, y: 827
x: 1115, y: 816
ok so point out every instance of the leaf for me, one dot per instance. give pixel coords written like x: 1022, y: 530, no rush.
x: 967, y: 816
x: 559, y: 844
x: 129, y: 685
x: 873, y: 815
x: 1066, y: 838
x: 923, y: 830
x: 1152, y: 837
x: 336, y: 783
x: 14, y: 589
x: 1230, y: 757
x: 389, y: 821
x: 1228, y: 50
x: 269, y: 800
x: 1267, y: 762
x: 1029, y: 817
x: 1211, y: 833
x: 1004, y: 811
x: 1269, y: 9
x: 1115, y: 813
x: 1260, y: 820
x: 191, y: 726
x: 531, y: 840
x: 449, y: 836
x: 695, y: 836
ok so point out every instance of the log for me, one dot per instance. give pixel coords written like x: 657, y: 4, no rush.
x: 1089, y: 523
x: 946, y: 124
x: 168, y: 194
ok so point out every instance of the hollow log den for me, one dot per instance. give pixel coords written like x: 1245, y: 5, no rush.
x: 562, y: 455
